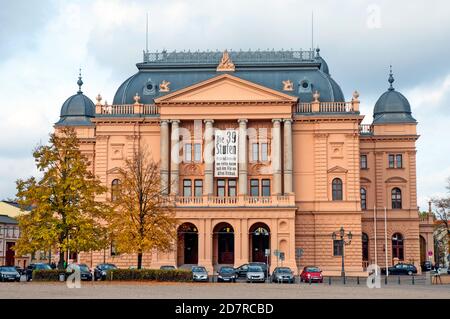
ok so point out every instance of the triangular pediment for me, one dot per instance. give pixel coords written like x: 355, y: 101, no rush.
x: 225, y: 88
x: 337, y: 169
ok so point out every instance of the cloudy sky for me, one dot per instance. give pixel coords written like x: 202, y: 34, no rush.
x: 43, y: 43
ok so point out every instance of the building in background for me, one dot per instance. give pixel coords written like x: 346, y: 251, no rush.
x: 298, y: 165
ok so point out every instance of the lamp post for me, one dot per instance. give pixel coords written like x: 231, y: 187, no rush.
x: 341, y: 234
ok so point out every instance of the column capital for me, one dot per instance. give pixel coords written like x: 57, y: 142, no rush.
x: 287, y: 121
x: 165, y: 122
x: 175, y: 121
x: 276, y: 121
x: 242, y: 121
x: 208, y: 121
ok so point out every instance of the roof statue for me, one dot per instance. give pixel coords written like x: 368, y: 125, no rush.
x: 225, y: 63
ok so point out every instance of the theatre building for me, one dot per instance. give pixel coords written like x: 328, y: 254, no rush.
x: 292, y: 163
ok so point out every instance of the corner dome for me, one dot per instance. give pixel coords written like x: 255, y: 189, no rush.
x: 77, y: 109
x: 392, y: 107
x: 323, y: 64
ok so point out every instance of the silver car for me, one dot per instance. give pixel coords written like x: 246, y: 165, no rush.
x: 255, y: 274
x: 199, y: 273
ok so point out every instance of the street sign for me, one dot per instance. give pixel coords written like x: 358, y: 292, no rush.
x: 267, y: 252
x: 298, y: 252
x: 276, y: 253
x: 281, y: 255
x: 430, y: 253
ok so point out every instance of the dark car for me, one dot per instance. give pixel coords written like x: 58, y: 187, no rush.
x: 427, y: 266
x: 226, y: 274
x: 19, y: 270
x: 242, y: 270
x: 101, y: 270
x: 9, y: 273
x: 37, y: 266
x: 402, y: 269
x: 283, y: 274
x: 311, y: 274
x: 167, y: 267
x: 199, y: 273
x: 85, y: 272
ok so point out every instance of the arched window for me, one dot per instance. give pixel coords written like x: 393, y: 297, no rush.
x: 336, y: 188
x: 397, y: 246
x: 115, y: 189
x: 365, y: 247
x: 396, y: 196
x: 363, y: 198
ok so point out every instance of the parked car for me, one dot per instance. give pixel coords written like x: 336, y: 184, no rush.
x: 167, y: 267
x: 311, y: 273
x: 37, y: 266
x: 242, y: 270
x: 283, y: 274
x: 85, y: 272
x: 101, y: 269
x: 9, y: 273
x: 227, y: 273
x: 199, y: 273
x: 427, y: 266
x: 255, y: 274
x: 19, y: 270
x: 401, y: 269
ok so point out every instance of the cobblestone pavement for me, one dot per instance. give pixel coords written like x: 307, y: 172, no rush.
x: 97, y: 290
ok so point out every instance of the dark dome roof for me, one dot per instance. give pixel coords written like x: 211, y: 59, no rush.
x: 392, y: 107
x: 77, y: 109
x: 267, y: 68
x: 323, y: 64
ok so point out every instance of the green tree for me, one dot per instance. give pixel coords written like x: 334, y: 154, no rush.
x: 442, y: 213
x: 65, y: 214
x: 141, y: 219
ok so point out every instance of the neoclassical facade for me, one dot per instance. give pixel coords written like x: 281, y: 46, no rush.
x: 260, y: 153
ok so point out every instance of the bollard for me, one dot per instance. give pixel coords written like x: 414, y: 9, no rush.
x: 357, y: 280
x: 385, y: 280
x: 329, y: 281
x: 413, y: 280
x: 310, y: 280
x: 343, y: 278
x: 399, y: 280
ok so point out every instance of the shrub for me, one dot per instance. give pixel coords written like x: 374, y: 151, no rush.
x: 47, y: 275
x: 149, y: 275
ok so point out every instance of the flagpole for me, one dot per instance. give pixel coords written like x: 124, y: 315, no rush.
x: 375, y: 236
x: 385, y: 241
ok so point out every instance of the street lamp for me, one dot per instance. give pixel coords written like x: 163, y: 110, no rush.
x: 341, y: 234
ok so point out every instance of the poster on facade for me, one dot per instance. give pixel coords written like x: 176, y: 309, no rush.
x: 226, y: 153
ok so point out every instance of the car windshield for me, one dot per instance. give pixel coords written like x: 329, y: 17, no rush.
x: 107, y: 266
x: 84, y: 268
x: 227, y: 270
x: 8, y: 269
x: 312, y: 269
x: 198, y: 269
x: 255, y: 269
x: 284, y: 270
x: 43, y: 267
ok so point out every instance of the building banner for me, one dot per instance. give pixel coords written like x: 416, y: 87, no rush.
x: 226, y: 153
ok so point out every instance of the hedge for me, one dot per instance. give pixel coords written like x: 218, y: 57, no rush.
x: 47, y: 275
x: 148, y: 275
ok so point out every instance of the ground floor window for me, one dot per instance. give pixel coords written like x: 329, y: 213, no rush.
x: 397, y: 246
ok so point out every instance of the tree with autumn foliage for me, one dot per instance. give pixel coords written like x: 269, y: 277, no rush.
x: 65, y: 214
x: 141, y: 219
x: 442, y: 213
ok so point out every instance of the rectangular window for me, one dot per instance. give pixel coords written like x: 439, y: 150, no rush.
x: 264, y: 152
x: 391, y: 161
x: 398, y: 161
x: 197, y: 152
x: 187, y: 188
x: 188, y: 152
x: 232, y: 187
x: 254, y: 187
x: 221, y: 187
x: 198, y: 185
x: 363, y: 161
x: 337, y: 247
x: 255, y: 152
x: 265, y: 187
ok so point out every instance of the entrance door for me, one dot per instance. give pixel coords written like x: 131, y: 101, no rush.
x: 9, y: 254
x: 260, y: 241
x: 223, y: 243
x: 190, y: 248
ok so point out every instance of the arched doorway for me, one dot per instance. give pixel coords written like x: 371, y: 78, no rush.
x: 223, y: 244
x: 187, y: 244
x: 423, y: 249
x: 259, y: 242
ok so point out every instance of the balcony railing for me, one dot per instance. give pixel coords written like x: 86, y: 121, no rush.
x: 233, y: 201
x: 366, y: 129
x: 127, y: 110
x: 327, y: 107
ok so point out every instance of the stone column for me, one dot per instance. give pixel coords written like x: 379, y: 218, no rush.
x: 175, y: 160
x: 276, y: 156
x: 164, y: 153
x: 209, y: 158
x: 288, y: 162
x: 242, y: 156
